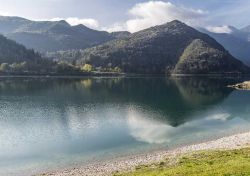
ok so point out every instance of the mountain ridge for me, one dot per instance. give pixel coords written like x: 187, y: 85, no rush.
x: 15, y: 58
x: 49, y: 36
x: 158, y: 50
x: 171, y: 48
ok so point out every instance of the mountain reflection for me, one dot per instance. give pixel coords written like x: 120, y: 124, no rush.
x: 147, y: 130
x: 176, y: 99
x: 83, y: 118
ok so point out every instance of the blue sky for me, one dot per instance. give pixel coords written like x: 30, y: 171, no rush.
x: 122, y: 14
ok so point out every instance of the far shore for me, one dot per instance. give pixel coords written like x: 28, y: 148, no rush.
x: 129, y: 163
x: 113, y: 74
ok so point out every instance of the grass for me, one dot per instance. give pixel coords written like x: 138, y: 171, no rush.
x: 205, y: 163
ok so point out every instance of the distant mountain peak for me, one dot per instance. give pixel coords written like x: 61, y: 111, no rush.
x: 63, y: 22
x: 233, y: 28
x: 80, y: 25
x: 13, y: 18
x: 246, y: 29
x: 173, y: 27
x: 174, y: 22
x: 51, y: 36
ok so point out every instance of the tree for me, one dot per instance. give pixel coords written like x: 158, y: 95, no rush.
x: 19, y: 67
x: 87, y: 68
x: 4, y: 67
x: 64, y: 67
x: 117, y: 69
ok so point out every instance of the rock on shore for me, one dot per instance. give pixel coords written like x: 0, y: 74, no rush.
x: 242, y: 86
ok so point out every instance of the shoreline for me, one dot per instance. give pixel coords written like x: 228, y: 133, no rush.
x: 122, y: 74
x: 107, y: 168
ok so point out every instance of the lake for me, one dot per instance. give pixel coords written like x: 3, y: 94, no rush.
x: 49, y: 123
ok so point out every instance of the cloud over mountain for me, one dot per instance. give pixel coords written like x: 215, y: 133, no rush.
x: 219, y: 29
x: 151, y: 13
x: 73, y: 21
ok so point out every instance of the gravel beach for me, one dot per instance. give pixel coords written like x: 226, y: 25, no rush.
x: 128, y: 163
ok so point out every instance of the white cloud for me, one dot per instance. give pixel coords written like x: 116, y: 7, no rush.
x: 221, y: 117
x: 145, y: 129
x: 89, y: 22
x: 116, y: 27
x: 219, y: 29
x: 147, y: 14
x: 5, y: 14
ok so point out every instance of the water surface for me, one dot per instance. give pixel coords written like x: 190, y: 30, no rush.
x: 48, y: 123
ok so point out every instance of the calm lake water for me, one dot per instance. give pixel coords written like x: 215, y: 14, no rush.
x: 48, y: 123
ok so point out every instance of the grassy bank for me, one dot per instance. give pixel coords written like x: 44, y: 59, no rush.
x: 205, y: 163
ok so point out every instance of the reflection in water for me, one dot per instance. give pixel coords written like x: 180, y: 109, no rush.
x: 145, y: 129
x: 155, y: 132
x: 47, y: 122
x: 202, y: 91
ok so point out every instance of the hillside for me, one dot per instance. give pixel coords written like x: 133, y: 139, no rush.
x: 236, y: 42
x: 11, y: 52
x: 246, y: 29
x: 120, y: 34
x: 48, y: 36
x: 16, y: 58
x: 170, y: 48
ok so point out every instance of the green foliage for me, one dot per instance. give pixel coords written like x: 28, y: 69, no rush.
x: 11, y: 52
x: 117, y: 69
x: 87, y: 68
x: 200, y: 57
x: 19, y: 67
x: 4, y: 67
x: 15, y: 58
x: 64, y: 67
x: 207, y: 163
x: 161, y: 50
x: 110, y: 69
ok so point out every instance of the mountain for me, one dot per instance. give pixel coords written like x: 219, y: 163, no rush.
x: 236, y: 42
x: 120, y: 34
x: 11, y: 52
x: 172, y: 48
x: 49, y: 36
x: 16, y: 58
x: 247, y: 30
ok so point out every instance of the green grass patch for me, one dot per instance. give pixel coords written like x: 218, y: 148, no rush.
x: 205, y: 163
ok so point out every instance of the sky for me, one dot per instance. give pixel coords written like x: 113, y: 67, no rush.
x: 133, y: 15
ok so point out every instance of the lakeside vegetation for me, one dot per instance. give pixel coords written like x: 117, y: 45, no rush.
x: 15, y: 59
x: 204, y: 163
x: 54, y: 68
x: 139, y: 53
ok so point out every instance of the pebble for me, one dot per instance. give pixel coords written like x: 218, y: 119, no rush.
x: 129, y: 163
